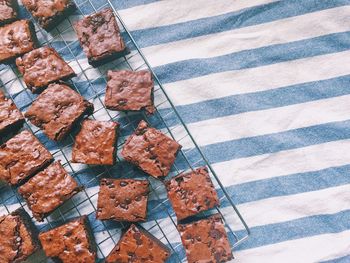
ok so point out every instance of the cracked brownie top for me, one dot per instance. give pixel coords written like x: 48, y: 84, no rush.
x: 21, y: 157
x: 150, y: 150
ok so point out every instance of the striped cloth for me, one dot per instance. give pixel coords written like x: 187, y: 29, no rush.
x: 264, y: 87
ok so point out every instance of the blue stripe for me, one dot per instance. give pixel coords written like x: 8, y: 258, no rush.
x: 240, y: 193
x: 243, y: 18
x: 345, y: 259
x: 272, y: 233
x: 277, y: 142
x: 290, y: 184
x: 263, y: 100
x: 130, y: 3
x: 235, y: 104
x: 116, y: 3
x: 299, y: 228
x: 192, y: 68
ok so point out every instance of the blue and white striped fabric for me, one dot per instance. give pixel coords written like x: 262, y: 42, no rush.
x: 264, y: 87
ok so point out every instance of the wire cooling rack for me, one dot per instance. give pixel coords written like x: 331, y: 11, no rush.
x: 90, y: 83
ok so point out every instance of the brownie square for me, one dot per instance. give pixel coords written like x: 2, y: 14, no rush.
x: 48, y: 190
x: 95, y: 143
x: 191, y: 193
x: 122, y: 200
x: 100, y: 38
x: 41, y: 67
x: 18, y: 237
x: 71, y: 242
x: 57, y: 109
x: 16, y: 39
x: 130, y: 91
x: 8, y: 11
x: 21, y: 157
x: 206, y: 240
x: 138, y: 246
x: 11, y: 118
x: 150, y: 150
x: 49, y: 13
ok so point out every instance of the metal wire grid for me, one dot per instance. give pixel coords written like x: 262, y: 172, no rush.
x: 162, y: 219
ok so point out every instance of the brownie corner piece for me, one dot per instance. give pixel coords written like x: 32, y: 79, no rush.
x: 95, y: 143
x: 21, y: 157
x: 48, y: 189
x: 57, y: 109
x: 151, y: 150
x: 206, y: 240
x: 130, y: 91
x: 49, y: 13
x: 43, y: 66
x: 191, y: 193
x: 76, y: 234
x: 18, y: 237
x: 11, y: 119
x: 8, y: 11
x: 123, y: 200
x: 100, y: 37
x: 16, y: 39
x: 149, y: 248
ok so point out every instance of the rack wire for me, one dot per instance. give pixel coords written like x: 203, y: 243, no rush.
x: 90, y: 83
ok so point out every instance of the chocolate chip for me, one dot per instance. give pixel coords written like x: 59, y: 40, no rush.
x: 194, y: 199
x: 127, y: 201
x: 216, y: 234
x: 124, y: 206
x: 123, y: 183
x: 217, y: 256
x: 36, y: 153
x: 122, y: 102
x: 138, y: 198
x: 137, y: 235
x: 68, y: 233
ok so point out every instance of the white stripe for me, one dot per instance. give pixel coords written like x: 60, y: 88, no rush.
x: 161, y: 13
x: 306, y: 159
x: 304, y: 250
x: 255, y: 123
x: 277, y: 32
x: 259, y: 79
x: 291, y: 207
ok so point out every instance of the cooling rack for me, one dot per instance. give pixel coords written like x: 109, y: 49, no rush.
x: 90, y: 83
